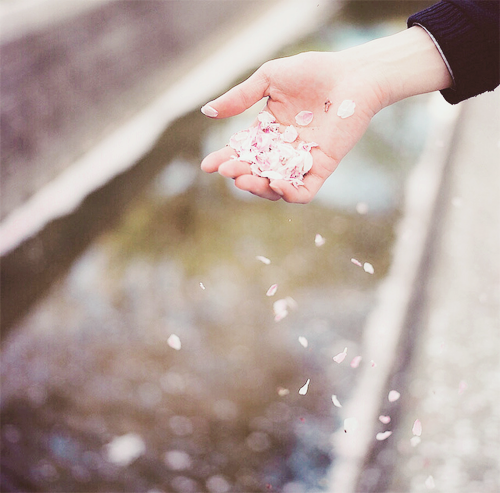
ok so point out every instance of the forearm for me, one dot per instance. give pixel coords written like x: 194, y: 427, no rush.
x: 402, y: 65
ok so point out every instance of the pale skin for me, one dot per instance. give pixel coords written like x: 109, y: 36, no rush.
x: 373, y: 75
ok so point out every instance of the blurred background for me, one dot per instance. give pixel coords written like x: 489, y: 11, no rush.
x: 113, y: 240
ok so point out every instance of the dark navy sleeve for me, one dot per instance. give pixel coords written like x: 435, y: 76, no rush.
x: 466, y: 33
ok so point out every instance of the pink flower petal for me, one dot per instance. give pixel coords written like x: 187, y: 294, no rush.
x: 202, y: 286
x: 280, y: 308
x: 384, y: 435
x: 319, y: 240
x: 346, y: 108
x: 393, y: 396
x: 335, y: 401
x: 417, y: 428
x: 367, y: 267
x: 271, y: 153
x: 462, y: 387
x: 384, y: 419
x: 272, y: 175
x: 356, y: 361
x: 282, y: 391
x: 304, y: 118
x: 303, y: 390
x: 340, y: 357
x: 266, y: 117
x: 303, y: 341
x: 264, y: 260
x: 280, y: 316
x: 174, y: 342
x: 373, y: 364
x: 356, y: 262
x: 429, y: 483
x: 290, y: 134
x: 272, y: 290
x: 414, y: 441
x: 361, y: 208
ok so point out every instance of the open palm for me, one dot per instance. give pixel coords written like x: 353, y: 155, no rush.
x: 316, y: 82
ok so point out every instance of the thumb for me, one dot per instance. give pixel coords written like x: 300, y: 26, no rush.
x: 240, y: 97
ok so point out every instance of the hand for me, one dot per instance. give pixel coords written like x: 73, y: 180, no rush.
x: 310, y: 81
x: 317, y: 82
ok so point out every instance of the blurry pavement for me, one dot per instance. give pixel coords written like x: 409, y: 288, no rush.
x: 434, y: 335
x: 454, y: 384
x: 446, y: 362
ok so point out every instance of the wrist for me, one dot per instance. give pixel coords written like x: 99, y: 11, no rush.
x: 403, y: 65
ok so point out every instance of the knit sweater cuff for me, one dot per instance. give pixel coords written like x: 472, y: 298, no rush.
x: 456, y: 38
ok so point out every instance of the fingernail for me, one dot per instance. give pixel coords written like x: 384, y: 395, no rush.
x: 209, y: 111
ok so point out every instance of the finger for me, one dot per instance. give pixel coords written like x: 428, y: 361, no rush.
x: 303, y: 194
x: 240, y: 97
x: 289, y: 193
x: 234, y: 168
x: 257, y: 186
x: 212, y: 162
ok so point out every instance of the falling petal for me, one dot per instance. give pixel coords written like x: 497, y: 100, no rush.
x: 303, y: 341
x: 373, y: 364
x: 280, y: 316
x: 417, y: 428
x: 272, y: 290
x: 356, y: 361
x: 429, y: 483
x: 340, y: 357
x: 415, y: 441
x: 350, y: 425
x: 361, y: 208
x: 280, y: 305
x: 304, y: 118
x: 202, y: 286
x: 462, y: 387
x: 282, y: 391
x: 346, y: 108
x: 319, y: 240
x: 280, y: 308
x: 368, y: 268
x: 384, y: 419
x: 356, y: 262
x: 303, y: 390
x: 264, y: 260
x: 393, y: 396
x: 335, y: 401
x: 383, y: 435
x: 174, y: 342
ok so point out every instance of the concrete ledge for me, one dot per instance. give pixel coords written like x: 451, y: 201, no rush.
x: 384, y: 328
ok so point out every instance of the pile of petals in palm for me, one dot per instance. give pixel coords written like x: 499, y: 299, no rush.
x: 273, y: 154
